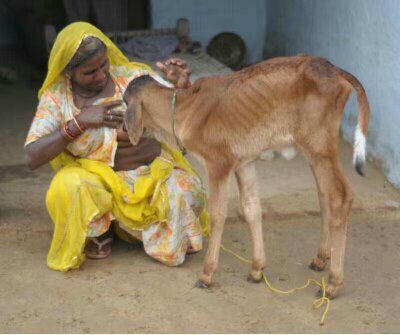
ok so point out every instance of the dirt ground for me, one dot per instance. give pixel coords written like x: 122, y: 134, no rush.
x: 131, y: 293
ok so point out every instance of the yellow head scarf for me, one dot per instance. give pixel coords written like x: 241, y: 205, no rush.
x: 67, y: 43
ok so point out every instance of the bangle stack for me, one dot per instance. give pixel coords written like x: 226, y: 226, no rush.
x: 77, y: 125
x: 68, y: 133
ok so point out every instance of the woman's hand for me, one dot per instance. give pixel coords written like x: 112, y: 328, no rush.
x: 101, y: 116
x: 128, y: 157
x: 176, y: 71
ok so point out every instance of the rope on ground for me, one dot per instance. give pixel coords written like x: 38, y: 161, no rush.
x: 317, y: 303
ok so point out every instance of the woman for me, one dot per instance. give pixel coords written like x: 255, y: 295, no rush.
x: 148, y: 191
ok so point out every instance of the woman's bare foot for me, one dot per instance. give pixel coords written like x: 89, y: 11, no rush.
x: 190, y: 249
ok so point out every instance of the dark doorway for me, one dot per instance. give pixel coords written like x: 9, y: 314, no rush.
x: 34, y: 19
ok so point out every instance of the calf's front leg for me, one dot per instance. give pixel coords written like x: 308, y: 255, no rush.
x: 247, y: 181
x: 218, y: 201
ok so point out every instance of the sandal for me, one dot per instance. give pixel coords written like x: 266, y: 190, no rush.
x: 97, y: 249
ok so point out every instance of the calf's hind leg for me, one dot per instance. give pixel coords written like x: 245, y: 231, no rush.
x: 336, y: 199
x: 323, y: 252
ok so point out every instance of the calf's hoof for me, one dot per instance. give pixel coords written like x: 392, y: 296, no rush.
x: 201, y: 284
x: 331, y: 292
x: 255, y: 279
x: 317, y: 265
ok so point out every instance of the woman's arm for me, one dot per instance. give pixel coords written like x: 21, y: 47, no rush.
x: 49, y: 146
x: 130, y: 157
x: 45, y: 149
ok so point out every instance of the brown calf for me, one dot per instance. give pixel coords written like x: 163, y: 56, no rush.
x: 229, y: 120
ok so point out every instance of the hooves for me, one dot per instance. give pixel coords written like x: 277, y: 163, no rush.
x: 250, y: 278
x: 254, y: 280
x: 317, y: 265
x: 201, y: 284
x: 331, y: 292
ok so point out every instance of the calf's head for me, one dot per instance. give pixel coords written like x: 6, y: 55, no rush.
x: 134, y: 99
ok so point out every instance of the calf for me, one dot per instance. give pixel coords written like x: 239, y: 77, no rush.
x: 229, y: 120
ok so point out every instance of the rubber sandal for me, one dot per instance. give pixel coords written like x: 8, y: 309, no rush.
x: 100, y: 244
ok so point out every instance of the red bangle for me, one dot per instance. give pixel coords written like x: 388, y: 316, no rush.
x: 68, y: 130
x: 68, y: 133
x: 65, y: 133
x: 72, y: 131
x: 77, y: 124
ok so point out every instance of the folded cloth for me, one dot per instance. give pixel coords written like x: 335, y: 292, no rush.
x: 151, y: 48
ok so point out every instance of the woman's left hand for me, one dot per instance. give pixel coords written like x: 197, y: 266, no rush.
x: 176, y: 71
x: 128, y: 157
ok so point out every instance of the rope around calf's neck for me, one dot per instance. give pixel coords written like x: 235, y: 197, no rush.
x: 317, y: 303
x: 177, y: 139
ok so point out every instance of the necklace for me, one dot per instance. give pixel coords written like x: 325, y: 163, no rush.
x: 89, y: 96
x: 85, y: 96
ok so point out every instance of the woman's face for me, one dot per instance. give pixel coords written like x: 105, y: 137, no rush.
x: 93, y: 74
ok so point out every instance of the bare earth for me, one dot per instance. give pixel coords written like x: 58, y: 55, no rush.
x: 130, y: 292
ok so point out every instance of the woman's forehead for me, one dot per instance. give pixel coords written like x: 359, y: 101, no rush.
x: 94, y: 62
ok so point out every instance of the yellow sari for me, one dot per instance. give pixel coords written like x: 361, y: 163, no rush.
x: 103, y: 190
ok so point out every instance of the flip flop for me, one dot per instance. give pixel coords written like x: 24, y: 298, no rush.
x: 96, y: 254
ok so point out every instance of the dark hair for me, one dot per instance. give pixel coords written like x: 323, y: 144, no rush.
x: 89, y: 46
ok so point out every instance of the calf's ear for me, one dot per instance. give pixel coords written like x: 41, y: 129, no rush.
x: 133, y: 121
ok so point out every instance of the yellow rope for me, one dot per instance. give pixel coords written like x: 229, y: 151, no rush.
x: 317, y: 303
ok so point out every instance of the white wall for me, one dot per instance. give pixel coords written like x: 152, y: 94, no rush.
x: 362, y: 37
x: 210, y: 17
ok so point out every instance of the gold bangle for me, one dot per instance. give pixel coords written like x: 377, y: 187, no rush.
x: 77, y: 124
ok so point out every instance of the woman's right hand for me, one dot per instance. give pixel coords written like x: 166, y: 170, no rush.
x: 96, y: 116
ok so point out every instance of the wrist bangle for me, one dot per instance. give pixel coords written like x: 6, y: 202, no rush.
x: 69, y: 131
x: 65, y: 133
x: 77, y: 125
